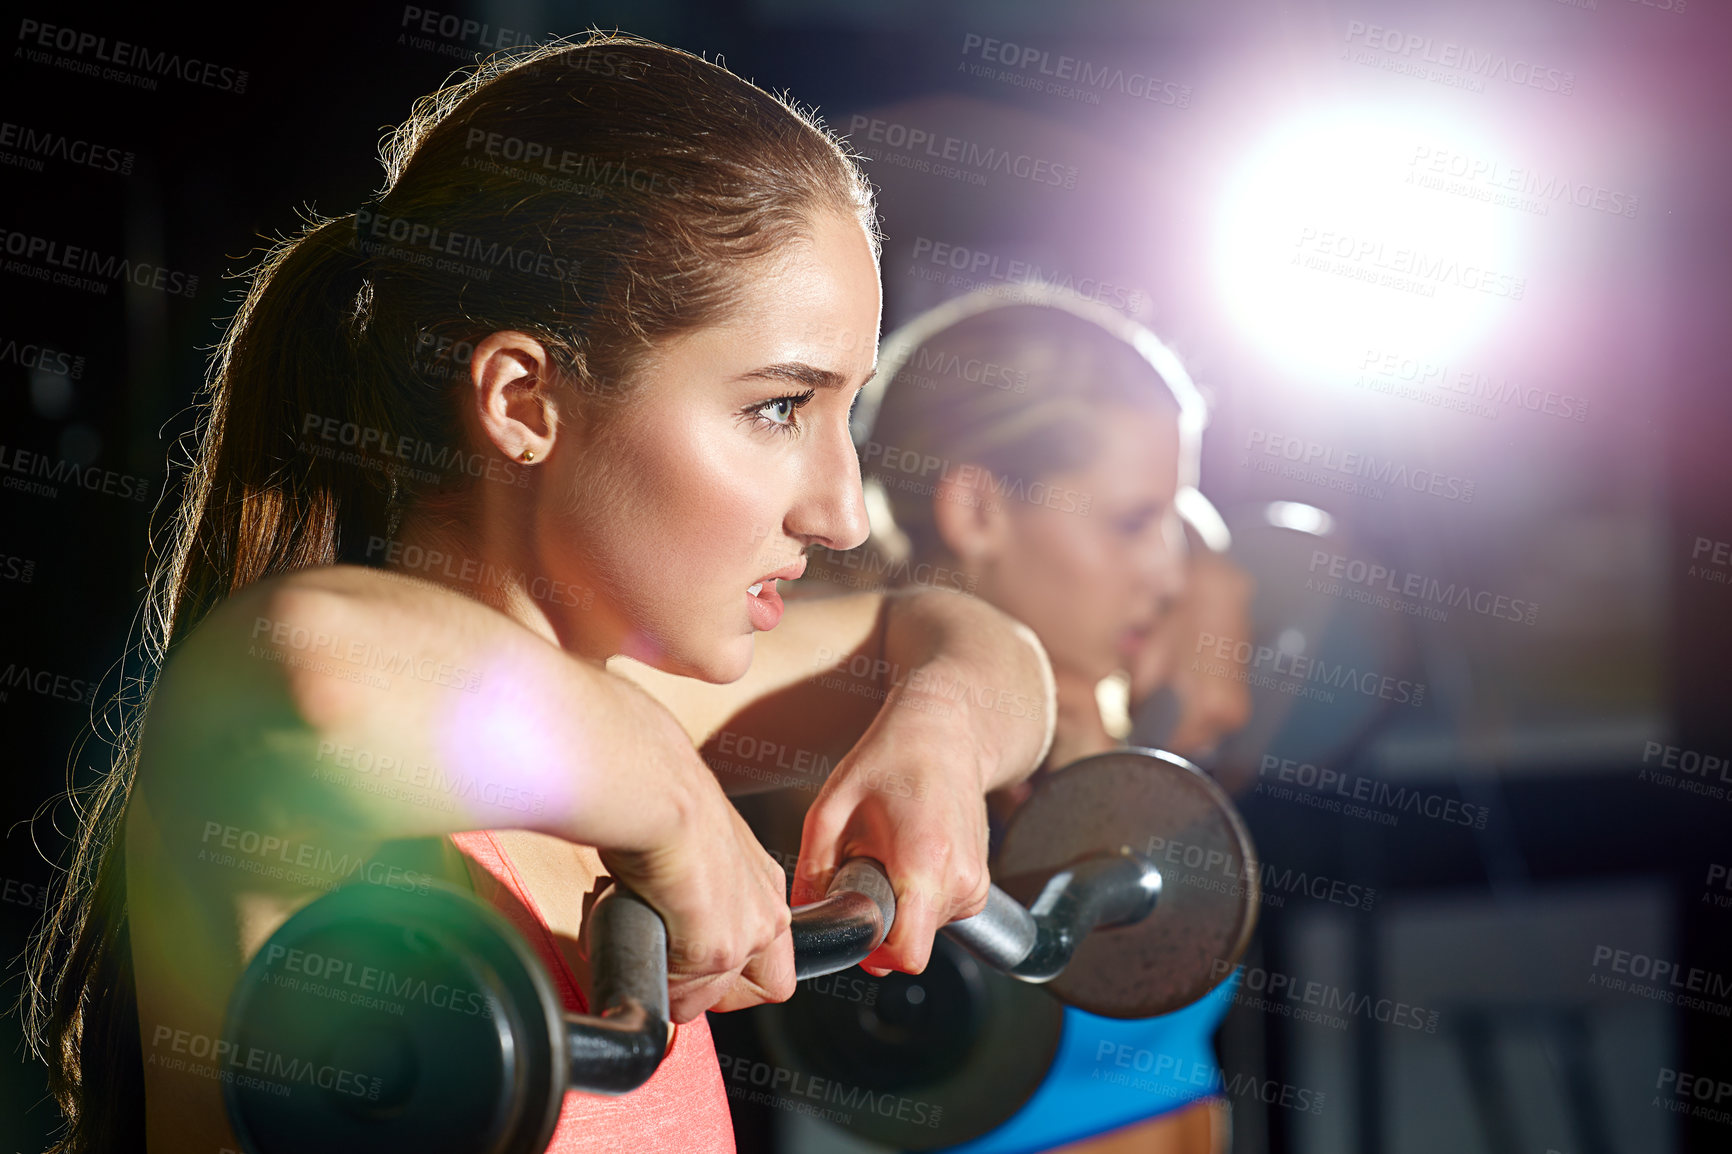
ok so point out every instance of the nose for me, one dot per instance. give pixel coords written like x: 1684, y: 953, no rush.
x: 1164, y: 557
x: 831, y: 511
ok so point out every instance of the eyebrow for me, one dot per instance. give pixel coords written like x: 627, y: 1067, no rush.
x: 802, y: 373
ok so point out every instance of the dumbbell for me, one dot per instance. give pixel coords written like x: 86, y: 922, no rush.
x: 375, y: 1018
x: 936, y: 1059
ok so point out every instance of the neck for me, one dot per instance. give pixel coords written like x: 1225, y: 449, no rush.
x: 442, y: 546
x: 1079, y: 730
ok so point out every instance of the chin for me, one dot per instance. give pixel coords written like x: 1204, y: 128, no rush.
x: 719, y: 662
x: 1105, y: 665
x: 734, y: 658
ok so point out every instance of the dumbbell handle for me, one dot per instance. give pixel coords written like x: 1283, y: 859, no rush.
x: 619, y: 1049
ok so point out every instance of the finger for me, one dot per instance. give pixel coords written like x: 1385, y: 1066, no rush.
x: 909, y: 946
x: 818, y: 849
x: 771, y: 971
x: 925, y: 906
x: 767, y: 977
x: 690, y: 997
x: 782, y: 878
x: 741, y: 995
x: 1208, y: 715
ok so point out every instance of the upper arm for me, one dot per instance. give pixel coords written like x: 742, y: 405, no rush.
x: 326, y: 704
x: 365, y: 706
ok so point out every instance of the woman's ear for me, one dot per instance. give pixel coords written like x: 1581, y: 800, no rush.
x: 971, y: 519
x: 512, y: 377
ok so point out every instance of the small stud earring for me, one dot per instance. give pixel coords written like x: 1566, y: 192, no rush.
x: 528, y: 455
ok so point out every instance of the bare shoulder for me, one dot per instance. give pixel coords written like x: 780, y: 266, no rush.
x: 331, y: 595
x: 312, y: 635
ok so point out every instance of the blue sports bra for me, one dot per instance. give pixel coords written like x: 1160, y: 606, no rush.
x: 1110, y: 1073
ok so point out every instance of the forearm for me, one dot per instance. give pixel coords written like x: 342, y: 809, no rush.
x: 942, y: 647
x: 835, y: 665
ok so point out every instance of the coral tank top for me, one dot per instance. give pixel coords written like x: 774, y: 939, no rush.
x: 682, y: 1109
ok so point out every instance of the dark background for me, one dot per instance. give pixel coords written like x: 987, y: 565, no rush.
x: 1544, y: 726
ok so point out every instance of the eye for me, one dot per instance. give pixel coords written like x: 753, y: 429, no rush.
x: 778, y: 412
x: 1139, y: 522
x: 1135, y: 525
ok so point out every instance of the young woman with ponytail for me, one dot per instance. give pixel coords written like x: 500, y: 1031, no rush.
x: 493, y: 483
x: 1069, y: 438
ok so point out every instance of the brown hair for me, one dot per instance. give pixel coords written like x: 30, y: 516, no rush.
x: 598, y: 195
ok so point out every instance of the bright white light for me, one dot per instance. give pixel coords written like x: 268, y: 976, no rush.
x: 1200, y: 513
x: 1302, y: 517
x: 1113, y: 697
x: 1334, y: 239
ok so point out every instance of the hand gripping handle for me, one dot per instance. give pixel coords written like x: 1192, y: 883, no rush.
x: 619, y: 1048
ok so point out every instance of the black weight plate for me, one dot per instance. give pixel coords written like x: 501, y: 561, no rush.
x: 1167, y: 809
x: 1300, y: 612
x: 378, y: 1019
x: 914, y: 1061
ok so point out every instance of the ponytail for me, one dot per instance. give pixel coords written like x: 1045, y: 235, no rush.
x: 258, y: 503
x: 290, y: 346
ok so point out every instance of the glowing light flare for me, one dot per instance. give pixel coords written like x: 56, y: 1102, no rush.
x: 505, y: 750
x: 1331, y: 241
x: 1300, y: 517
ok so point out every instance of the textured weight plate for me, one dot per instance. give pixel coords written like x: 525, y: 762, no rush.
x: 379, y: 1019
x: 1167, y: 809
x: 1317, y: 623
x: 914, y: 1061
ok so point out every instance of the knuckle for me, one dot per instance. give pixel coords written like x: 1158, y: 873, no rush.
x: 970, y: 875
x: 932, y: 851
x: 819, y: 824
x: 972, y: 900
x: 765, y: 936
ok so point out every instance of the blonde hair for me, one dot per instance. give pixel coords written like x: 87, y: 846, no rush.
x: 1013, y: 379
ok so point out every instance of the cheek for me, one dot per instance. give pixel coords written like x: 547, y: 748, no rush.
x: 721, y: 502
x: 1078, y: 550
x: 1071, y: 574
x: 693, y: 494
x: 679, y: 521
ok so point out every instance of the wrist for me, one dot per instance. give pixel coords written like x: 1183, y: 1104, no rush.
x: 956, y: 706
x: 967, y: 655
x: 646, y: 782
